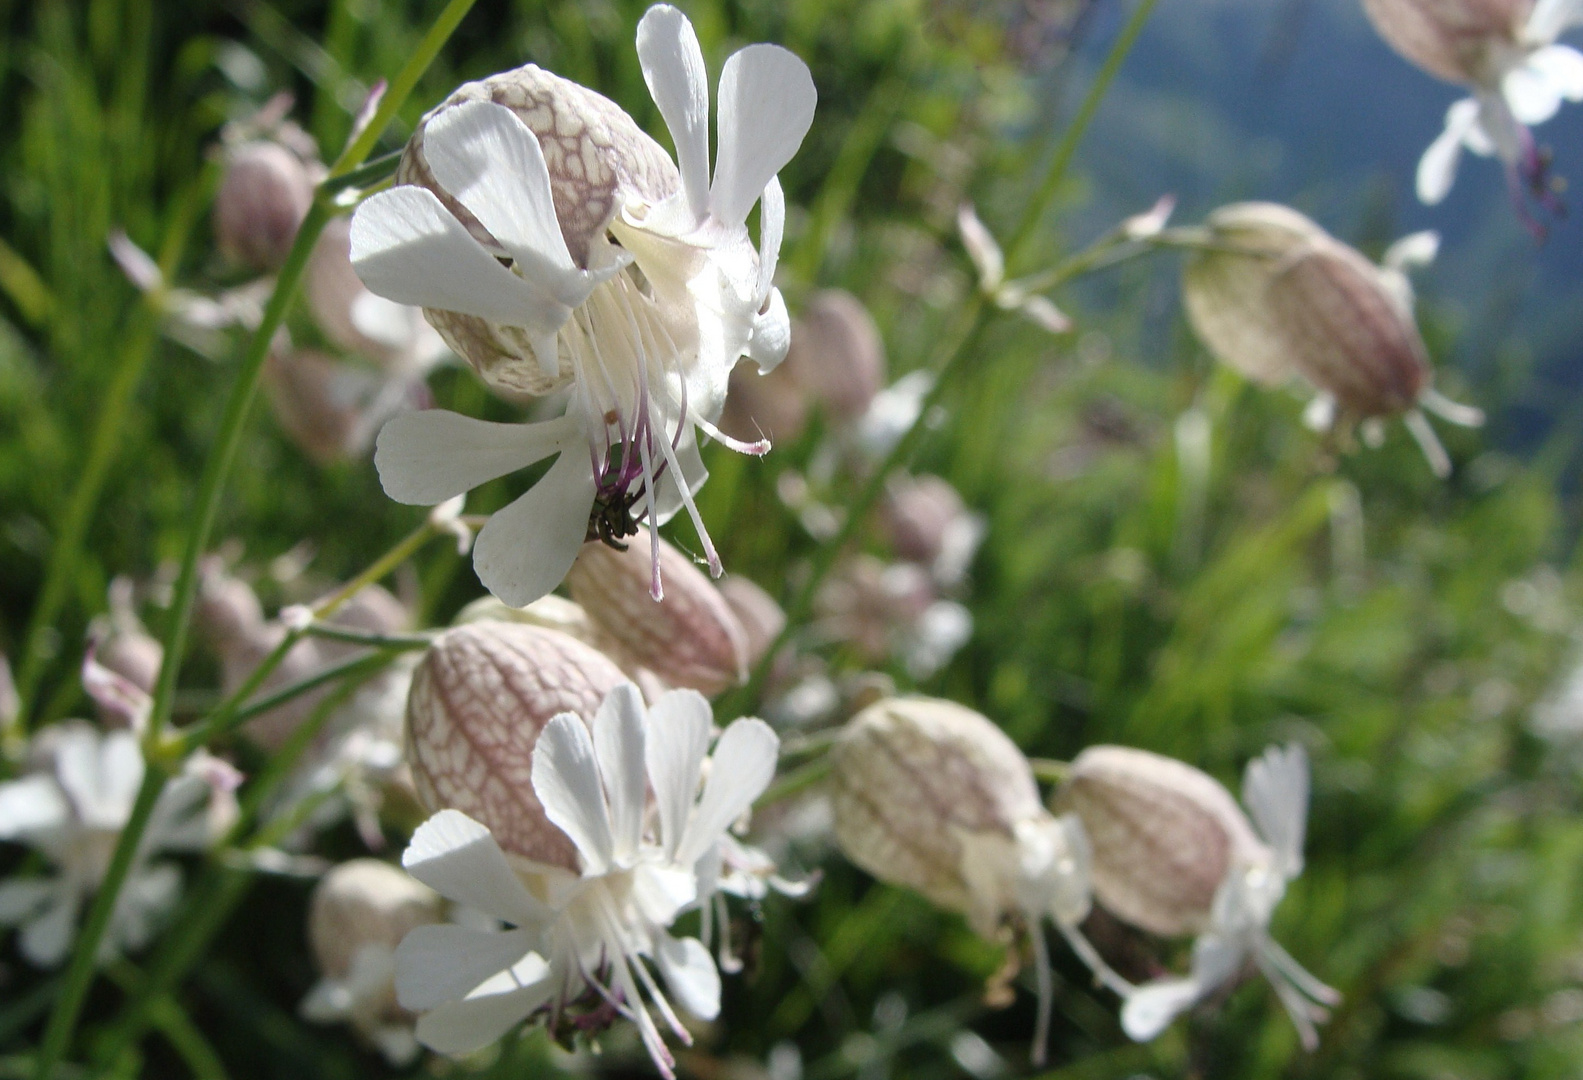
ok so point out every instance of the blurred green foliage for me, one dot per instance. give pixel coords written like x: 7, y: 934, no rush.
x: 1401, y: 627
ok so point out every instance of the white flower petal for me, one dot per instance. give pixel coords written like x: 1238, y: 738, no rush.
x: 384, y: 321
x: 1275, y: 790
x: 435, y: 964
x: 1413, y: 250
x: 429, y: 456
x: 1535, y: 89
x: 484, y: 155
x: 690, y: 975
x: 525, y: 550
x: 100, y: 775
x: 679, y: 727
x: 771, y: 335
x: 766, y: 106
x: 20, y: 900
x: 981, y: 248
x: 772, y: 228
x: 31, y: 804
x: 566, y: 780
x: 1150, y: 1009
x: 458, y: 858
x: 673, y: 67
x: 741, y: 767
x: 328, y: 1002
x: 146, y: 897
x: 619, y: 745
x: 47, y: 939
x: 408, y: 248
x: 1552, y: 18
x: 1437, y: 169
x: 459, y: 1027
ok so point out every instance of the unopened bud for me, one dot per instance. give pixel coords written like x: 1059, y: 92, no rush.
x: 479, y: 699
x: 837, y: 353
x: 1453, y: 41
x: 929, y: 794
x: 1273, y: 295
x: 1164, y: 836
x: 315, y: 399
x: 689, y: 639
x: 550, y: 612
x: 592, y: 149
x: 365, y: 902
x: 760, y: 406
x: 332, y: 287
x: 262, y: 201
x: 761, y: 617
x: 918, y: 514
x: 873, y: 605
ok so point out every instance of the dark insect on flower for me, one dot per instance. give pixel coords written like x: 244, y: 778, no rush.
x: 611, y: 519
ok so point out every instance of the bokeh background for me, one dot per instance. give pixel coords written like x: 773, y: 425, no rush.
x: 1415, y: 634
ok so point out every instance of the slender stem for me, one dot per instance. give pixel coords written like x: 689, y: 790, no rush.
x: 402, y: 86
x: 205, y: 731
x: 374, y: 172
x: 1027, y: 228
x: 331, y: 632
x: 79, y: 975
x: 63, y: 1020
x: 795, y: 782
x: 403, y: 550
x: 210, y: 902
x: 1050, y: 770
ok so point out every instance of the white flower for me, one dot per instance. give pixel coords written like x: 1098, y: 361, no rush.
x: 1519, y: 77
x: 601, y: 929
x: 72, y: 810
x: 1275, y: 791
x: 644, y: 325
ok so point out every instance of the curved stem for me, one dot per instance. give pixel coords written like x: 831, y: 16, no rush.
x: 63, y: 1020
x: 1028, y: 227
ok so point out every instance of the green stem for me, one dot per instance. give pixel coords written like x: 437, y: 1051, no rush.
x: 1028, y: 227
x: 84, y: 958
x: 1050, y: 770
x: 401, y: 86
x: 63, y: 1020
x: 331, y: 632
x: 795, y: 782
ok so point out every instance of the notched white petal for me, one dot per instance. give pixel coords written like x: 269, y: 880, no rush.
x: 766, y: 106
x: 427, y: 457
x: 673, y: 67
x: 525, y: 550
x: 566, y: 780
x: 458, y: 858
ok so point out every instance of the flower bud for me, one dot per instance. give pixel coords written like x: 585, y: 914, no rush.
x: 691, y: 638
x: 761, y: 617
x: 550, y: 612
x: 1452, y: 40
x: 760, y: 406
x: 916, y: 512
x: 364, y: 902
x: 872, y: 605
x: 930, y: 794
x: 837, y: 353
x: 479, y: 699
x: 1164, y: 836
x: 332, y: 287
x: 591, y: 148
x: 263, y: 198
x: 1273, y: 295
x: 315, y: 399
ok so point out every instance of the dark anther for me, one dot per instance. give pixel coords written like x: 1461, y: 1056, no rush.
x: 611, y: 520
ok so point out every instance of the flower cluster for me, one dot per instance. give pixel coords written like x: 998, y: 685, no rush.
x: 556, y: 246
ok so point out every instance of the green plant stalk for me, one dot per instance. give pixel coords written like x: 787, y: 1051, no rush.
x: 795, y: 782
x: 221, y: 889
x: 63, y: 1019
x: 85, y: 956
x: 401, y: 87
x: 112, y: 419
x: 1066, y: 149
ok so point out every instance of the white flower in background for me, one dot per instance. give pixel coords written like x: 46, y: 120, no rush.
x: 990, y: 262
x: 71, y: 810
x: 360, y: 911
x: 601, y: 929
x: 1275, y: 791
x: 1505, y: 51
x: 642, y: 316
